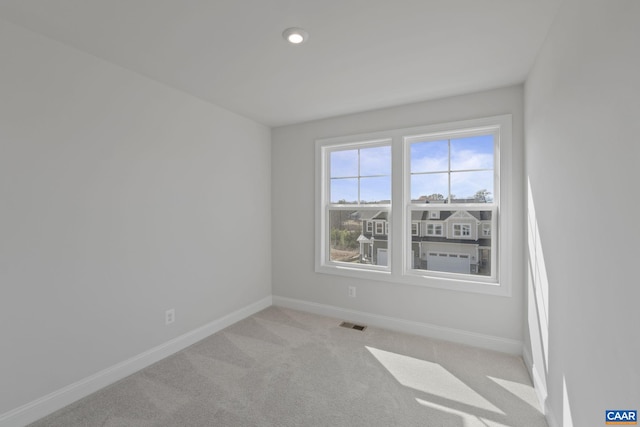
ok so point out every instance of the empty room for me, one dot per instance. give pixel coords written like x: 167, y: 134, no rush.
x: 319, y: 213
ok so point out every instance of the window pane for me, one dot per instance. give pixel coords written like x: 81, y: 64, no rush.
x: 472, y: 153
x: 359, y: 236
x: 432, y: 187
x: 454, y: 243
x: 432, y: 156
x: 344, y: 163
x: 375, y: 161
x: 375, y: 190
x: 472, y: 187
x: 344, y: 190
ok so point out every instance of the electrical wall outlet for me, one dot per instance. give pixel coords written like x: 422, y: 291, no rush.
x: 352, y: 291
x: 169, y: 316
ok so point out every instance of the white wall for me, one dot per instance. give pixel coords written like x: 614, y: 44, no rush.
x: 582, y: 105
x: 293, y: 222
x: 119, y: 198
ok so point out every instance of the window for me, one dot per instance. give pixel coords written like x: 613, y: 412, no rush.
x: 356, y: 191
x: 461, y: 230
x: 434, y: 229
x: 454, y: 173
x: 419, y: 206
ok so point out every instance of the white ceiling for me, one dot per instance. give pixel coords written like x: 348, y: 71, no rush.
x: 361, y: 54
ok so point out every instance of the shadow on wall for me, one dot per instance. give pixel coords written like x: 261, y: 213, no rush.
x: 538, y: 314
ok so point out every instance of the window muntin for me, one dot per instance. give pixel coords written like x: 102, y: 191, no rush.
x: 404, y: 263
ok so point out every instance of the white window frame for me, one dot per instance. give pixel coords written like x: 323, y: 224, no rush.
x: 486, y: 229
x: 399, y: 269
x: 379, y: 229
x: 415, y: 228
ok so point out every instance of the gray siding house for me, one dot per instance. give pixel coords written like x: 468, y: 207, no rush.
x: 456, y: 241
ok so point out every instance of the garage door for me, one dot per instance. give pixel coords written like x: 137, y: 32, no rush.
x: 451, y: 263
x: 382, y: 257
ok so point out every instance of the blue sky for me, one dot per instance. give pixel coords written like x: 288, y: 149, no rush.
x: 375, y: 175
x: 471, y: 160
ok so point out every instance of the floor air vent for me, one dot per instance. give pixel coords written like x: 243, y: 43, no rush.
x: 349, y: 325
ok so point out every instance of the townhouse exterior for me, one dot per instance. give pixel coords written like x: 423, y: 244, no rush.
x: 455, y: 241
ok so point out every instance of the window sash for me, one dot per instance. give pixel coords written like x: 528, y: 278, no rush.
x: 376, y: 241
x: 359, y: 177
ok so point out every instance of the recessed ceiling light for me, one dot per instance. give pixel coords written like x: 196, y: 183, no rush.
x: 295, y: 35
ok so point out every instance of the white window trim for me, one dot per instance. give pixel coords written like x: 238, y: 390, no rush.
x: 416, y: 225
x: 399, y: 270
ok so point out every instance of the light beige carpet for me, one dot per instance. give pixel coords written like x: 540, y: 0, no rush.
x: 283, y: 367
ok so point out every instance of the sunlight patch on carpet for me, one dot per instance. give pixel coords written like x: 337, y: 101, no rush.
x: 430, y: 378
x: 522, y: 391
x: 468, y: 420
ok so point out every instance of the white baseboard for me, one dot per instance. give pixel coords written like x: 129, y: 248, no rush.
x: 539, y: 387
x: 551, y: 420
x: 490, y: 342
x: 538, y: 384
x: 50, y: 403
